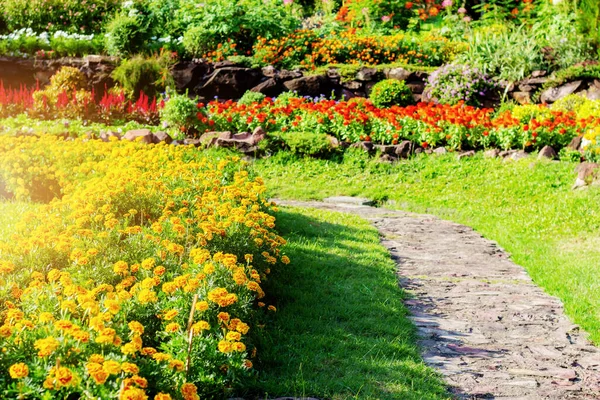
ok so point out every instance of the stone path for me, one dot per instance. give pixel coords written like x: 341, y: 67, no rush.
x: 483, y: 323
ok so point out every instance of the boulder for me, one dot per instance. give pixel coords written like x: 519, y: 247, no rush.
x: 161, y: 137
x: 209, y: 139
x: 269, y: 71
x: 587, y: 173
x: 244, y: 142
x: 466, y: 154
x: 522, y: 97
x: 387, y: 158
x: 334, y: 143
x: 366, y: 146
x: 547, y: 152
x: 142, y: 135
x: 416, y: 87
x: 491, y: 153
x: 366, y: 74
x: 285, y: 75
x: 308, y: 85
x: 352, y: 85
x: 229, y: 82
x: 187, y: 75
x: 399, y: 74
x: 404, y: 149
x: 334, y: 76
x: 518, y: 155
x: 553, y: 94
x: 192, y: 142
x: 538, y: 74
x: 106, y: 135
x: 506, y: 153
x: 440, y: 150
x: 270, y: 87
x: 386, y: 149
x: 575, y: 143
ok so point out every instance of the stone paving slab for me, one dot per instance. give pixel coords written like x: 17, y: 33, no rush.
x: 483, y: 324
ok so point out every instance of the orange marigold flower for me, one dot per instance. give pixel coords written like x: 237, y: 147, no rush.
x: 18, y: 371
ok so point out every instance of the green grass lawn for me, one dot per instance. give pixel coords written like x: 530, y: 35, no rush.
x: 341, y: 330
x: 528, y: 207
x: 10, y: 214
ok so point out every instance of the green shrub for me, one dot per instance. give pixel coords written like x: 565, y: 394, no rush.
x: 453, y: 83
x: 179, y: 114
x: 284, y: 98
x: 140, y: 74
x: 308, y: 143
x: 391, y: 92
x: 251, y: 97
x: 125, y: 35
x: 66, y: 15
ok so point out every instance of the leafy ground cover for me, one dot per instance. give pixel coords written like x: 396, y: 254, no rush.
x: 528, y: 207
x: 10, y: 214
x: 341, y: 329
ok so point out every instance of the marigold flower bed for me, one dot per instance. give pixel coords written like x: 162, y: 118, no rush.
x: 139, y: 279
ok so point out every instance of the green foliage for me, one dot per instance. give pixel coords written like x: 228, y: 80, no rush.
x: 125, y: 35
x: 239, y: 21
x: 179, y: 114
x: 52, y: 15
x: 453, y: 83
x: 390, y: 92
x: 251, y: 97
x: 571, y: 73
x: 307, y: 143
x: 140, y: 74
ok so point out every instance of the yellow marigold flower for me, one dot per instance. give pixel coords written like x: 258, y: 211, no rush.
x: 238, y: 346
x: 160, y: 270
x: 148, y: 351
x: 209, y: 269
x: 147, y: 296
x: 177, y: 365
x: 46, y: 346
x: 100, y: 377
x: 202, y: 306
x: 169, y: 287
x: 18, y: 371
x: 247, y: 364
x: 225, y: 347
x: 14, y: 315
x: 272, y: 308
x: 162, y: 396
x: 113, y: 306
x: 112, y: 367
x: 261, y: 304
x: 285, y: 260
x: 223, y: 316
x: 169, y: 315
x: 132, y: 393
x: 68, y: 305
x: 121, y: 268
x: 136, y: 327
x: 161, y: 356
x: 148, y: 263
x: 45, y: 317
x: 130, y: 368
x: 172, y: 327
x: 189, y: 391
x: 96, y: 358
x: 201, y: 326
x: 253, y: 286
x: 233, y: 336
x: 248, y: 258
x: 5, y: 331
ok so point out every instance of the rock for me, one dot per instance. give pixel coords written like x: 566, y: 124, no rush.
x: 244, y: 142
x: 538, y: 74
x: 419, y: 150
x: 366, y: 74
x: 518, y: 155
x: 553, y: 94
x: 466, y: 154
x: 535, y: 81
x: 593, y: 93
x: 334, y: 143
x: 404, y: 149
x: 258, y: 135
x: 308, y: 85
x: 523, y: 87
x: 352, y: 85
x: 106, y: 135
x: 334, y: 76
x: 187, y: 75
x: 229, y: 82
x: 209, y: 139
x: 192, y: 142
x: 143, y: 135
x: 416, y: 87
x: 386, y: 149
x: 269, y: 71
x: 224, y: 64
x: 575, y: 143
x: 506, y: 153
x: 366, y: 146
x: 547, y: 152
x: 491, y: 153
x: 387, y: 158
x: 522, y: 97
x: 369, y: 87
x: 288, y: 75
x: 270, y: 87
x: 160, y: 137
x: 397, y: 73
x: 440, y: 150
x: 586, y: 174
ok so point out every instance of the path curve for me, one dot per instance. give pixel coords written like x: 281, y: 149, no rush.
x: 483, y: 324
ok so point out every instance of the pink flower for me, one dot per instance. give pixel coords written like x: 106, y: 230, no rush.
x: 467, y: 19
x: 462, y: 10
x: 288, y: 2
x: 446, y: 3
x: 386, y: 18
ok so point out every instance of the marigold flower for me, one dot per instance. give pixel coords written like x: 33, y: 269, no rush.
x: 46, y: 346
x: 172, y: 327
x: 18, y: 371
x: 189, y: 391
